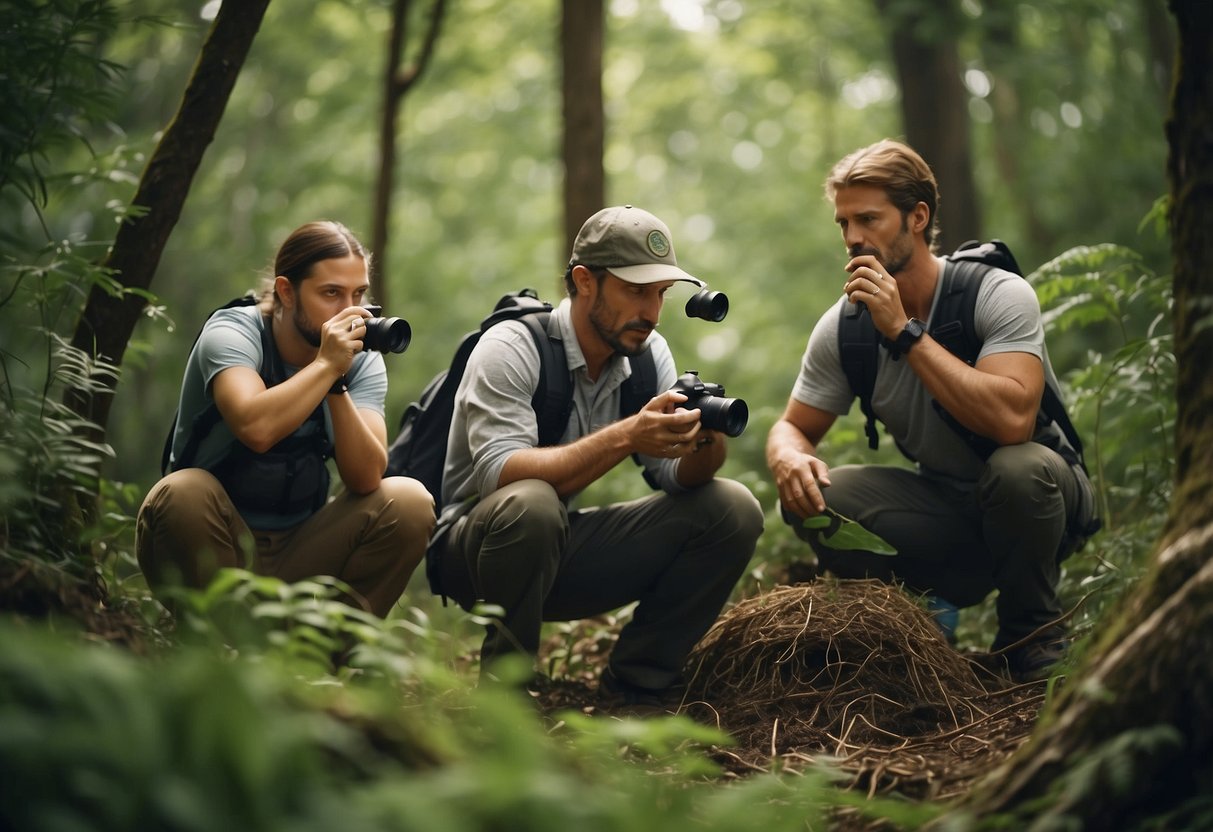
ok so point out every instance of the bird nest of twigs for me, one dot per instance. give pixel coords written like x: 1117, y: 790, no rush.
x: 854, y: 674
x: 858, y: 673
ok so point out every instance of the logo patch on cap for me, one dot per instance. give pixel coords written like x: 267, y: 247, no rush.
x: 658, y: 244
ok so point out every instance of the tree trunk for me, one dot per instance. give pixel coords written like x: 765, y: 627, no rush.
x: 1003, y: 55
x: 109, y: 318
x: 1162, y: 43
x: 581, y: 43
x: 397, y: 81
x: 934, y: 107
x: 1131, y: 735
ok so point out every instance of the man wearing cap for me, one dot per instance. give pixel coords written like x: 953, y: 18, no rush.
x: 521, y: 547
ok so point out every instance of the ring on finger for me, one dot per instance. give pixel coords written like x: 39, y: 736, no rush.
x: 353, y: 324
x: 876, y: 291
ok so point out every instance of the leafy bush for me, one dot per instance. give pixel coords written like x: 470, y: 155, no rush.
x: 92, y: 738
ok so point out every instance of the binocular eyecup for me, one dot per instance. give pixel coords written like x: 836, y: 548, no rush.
x: 708, y: 305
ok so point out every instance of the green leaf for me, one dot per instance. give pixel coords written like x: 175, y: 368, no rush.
x: 844, y: 533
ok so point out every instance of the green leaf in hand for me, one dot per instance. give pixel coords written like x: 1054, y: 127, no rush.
x: 844, y: 533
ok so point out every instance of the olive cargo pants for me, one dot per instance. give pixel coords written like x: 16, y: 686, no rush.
x: 1007, y: 533
x: 188, y: 529
x: 679, y: 555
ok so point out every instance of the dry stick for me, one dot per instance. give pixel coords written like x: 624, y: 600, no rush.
x: 1032, y: 635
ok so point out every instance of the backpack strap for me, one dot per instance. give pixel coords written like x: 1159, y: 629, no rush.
x: 635, y: 392
x: 205, y: 420
x: 859, y: 352
x: 272, y: 372
x: 553, y: 398
x: 956, y: 331
x: 641, y: 386
x: 952, y: 318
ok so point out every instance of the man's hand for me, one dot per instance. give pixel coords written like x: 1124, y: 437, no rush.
x: 870, y: 285
x: 662, y: 429
x: 341, y: 338
x: 792, y: 457
x: 800, y: 478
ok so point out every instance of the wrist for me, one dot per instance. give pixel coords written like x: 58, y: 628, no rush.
x: 339, y: 386
x: 911, y: 333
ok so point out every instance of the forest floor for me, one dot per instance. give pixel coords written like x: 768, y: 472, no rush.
x: 849, y: 673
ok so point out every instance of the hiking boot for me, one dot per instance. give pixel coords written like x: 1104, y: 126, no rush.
x: 627, y: 699
x: 1036, y: 660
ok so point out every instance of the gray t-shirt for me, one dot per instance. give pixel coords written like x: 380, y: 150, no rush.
x: 232, y: 338
x: 1006, y: 319
x: 493, y: 415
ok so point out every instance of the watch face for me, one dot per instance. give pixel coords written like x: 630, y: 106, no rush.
x: 910, y: 334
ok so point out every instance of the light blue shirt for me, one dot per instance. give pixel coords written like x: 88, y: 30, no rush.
x: 232, y: 338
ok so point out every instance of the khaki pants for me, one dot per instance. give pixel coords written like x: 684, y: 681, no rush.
x: 188, y: 529
x: 679, y: 555
x: 1006, y: 534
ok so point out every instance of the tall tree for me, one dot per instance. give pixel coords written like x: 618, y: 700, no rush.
x: 581, y: 42
x: 398, y: 79
x: 110, y: 314
x: 934, y: 107
x: 1131, y: 736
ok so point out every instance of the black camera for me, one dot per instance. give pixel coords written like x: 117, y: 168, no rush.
x: 709, y: 305
x: 386, y: 334
x: 729, y: 416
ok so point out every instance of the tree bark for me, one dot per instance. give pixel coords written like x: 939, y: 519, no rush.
x: 1162, y: 43
x: 397, y: 81
x: 581, y: 44
x: 1131, y: 736
x: 109, y: 316
x: 934, y: 108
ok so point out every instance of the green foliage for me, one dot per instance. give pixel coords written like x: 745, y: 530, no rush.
x: 1122, y: 399
x: 91, y: 739
x: 847, y: 533
x: 94, y: 739
x: 56, y: 86
x: 48, y: 464
x: 53, y: 86
x: 282, y: 708
x: 1125, y: 393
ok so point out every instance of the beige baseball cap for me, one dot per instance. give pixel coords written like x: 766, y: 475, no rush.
x: 632, y: 243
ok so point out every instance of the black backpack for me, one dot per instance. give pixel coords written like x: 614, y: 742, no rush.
x: 859, y: 345
x: 419, y: 449
x: 952, y: 326
x: 290, y: 478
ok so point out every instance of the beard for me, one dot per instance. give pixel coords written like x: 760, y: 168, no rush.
x: 304, y: 326
x: 899, y: 253
x: 613, y: 337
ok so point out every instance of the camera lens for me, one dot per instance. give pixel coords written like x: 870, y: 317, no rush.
x: 729, y: 416
x: 708, y: 305
x: 387, y: 335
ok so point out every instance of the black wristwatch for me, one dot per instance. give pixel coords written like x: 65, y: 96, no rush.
x: 909, y: 335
